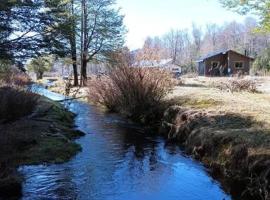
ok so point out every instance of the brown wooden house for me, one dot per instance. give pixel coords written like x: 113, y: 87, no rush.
x: 224, y: 63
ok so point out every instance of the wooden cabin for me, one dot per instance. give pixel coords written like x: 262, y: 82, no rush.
x: 224, y: 63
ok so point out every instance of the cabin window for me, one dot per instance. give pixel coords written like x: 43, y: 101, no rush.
x: 214, y: 64
x: 238, y: 65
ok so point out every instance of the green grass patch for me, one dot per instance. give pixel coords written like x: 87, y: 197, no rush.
x: 195, y: 102
x: 51, y: 150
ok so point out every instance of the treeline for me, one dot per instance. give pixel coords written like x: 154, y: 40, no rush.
x: 185, y: 46
x: 82, y: 30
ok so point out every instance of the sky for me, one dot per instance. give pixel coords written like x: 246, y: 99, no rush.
x: 156, y: 17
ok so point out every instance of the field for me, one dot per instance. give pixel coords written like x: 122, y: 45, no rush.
x: 228, y: 131
x: 200, y: 93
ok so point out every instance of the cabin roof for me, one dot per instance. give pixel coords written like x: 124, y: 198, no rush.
x: 212, y: 54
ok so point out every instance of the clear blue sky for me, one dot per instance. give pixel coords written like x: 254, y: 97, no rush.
x: 155, y: 17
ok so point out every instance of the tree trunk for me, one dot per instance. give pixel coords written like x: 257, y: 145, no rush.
x: 39, y: 75
x: 84, y: 49
x: 84, y: 70
x: 73, y: 47
x: 74, y: 60
x: 75, y: 70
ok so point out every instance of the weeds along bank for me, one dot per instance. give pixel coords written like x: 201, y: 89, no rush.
x: 217, y: 127
x: 33, y: 130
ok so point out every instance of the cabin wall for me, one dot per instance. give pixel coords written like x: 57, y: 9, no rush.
x: 221, y: 58
x: 226, y: 60
x: 201, y: 69
x: 235, y: 57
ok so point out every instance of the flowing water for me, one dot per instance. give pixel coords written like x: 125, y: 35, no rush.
x: 119, y: 162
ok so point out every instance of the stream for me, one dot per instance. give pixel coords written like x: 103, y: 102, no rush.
x: 119, y: 162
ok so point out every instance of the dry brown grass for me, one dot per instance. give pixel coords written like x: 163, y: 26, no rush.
x: 247, y: 104
x: 233, y: 145
x: 14, y: 77
x: 15, y: 103
x: 228, y: 131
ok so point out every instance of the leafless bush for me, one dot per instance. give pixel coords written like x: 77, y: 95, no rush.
x: 135, y: 92
x: 15, y: 103
x: 13, y: 77
x: 179, y: 82
x: 238, y: 85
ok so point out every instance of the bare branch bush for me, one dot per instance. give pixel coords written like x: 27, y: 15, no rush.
x: 238, y: 85
x: 16, y: 103
x: 135, y: 92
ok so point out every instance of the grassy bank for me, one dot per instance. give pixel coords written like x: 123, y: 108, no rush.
x: 226, y: 128
x: 228, y: 132
x: 45, y: 136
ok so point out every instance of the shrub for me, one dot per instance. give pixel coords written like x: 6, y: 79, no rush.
x: 135, y: 92
x: 16, y: 79
x: 15, y: 103
x: 238, y: 85
x: 12, y: 76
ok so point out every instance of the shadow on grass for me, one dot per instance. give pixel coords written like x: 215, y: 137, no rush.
x: 194, y: 103
x: 194, y: 85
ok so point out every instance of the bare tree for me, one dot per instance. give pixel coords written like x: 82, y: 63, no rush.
x: 152, y: 51
x: 184, y: 47
x: 197, y: 37
x: 175, y: 43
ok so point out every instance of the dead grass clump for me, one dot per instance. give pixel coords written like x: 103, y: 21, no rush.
x: 13, y: 77
x: 238, y: 85
x: 225, y: 139
x: 15, y: 103
x: 135, y: 92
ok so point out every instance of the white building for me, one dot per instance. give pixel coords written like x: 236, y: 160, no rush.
x: 164, y: 63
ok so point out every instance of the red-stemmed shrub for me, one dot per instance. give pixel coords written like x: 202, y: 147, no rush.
x: 135, y: 92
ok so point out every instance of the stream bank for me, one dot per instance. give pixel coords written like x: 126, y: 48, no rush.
x: 235, y: 148
x: 46, y: 136
x: 119, y: 160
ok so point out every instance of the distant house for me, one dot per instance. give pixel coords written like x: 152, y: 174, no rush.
x: 224, y: 63
x: 167, y: 64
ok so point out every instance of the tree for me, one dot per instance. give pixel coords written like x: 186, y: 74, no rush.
x: 23, y: 29
x: 63, y: 13
x: 258, y: 7
x: 102, y: 30
x: 40, y: 65
x: 16, y: 12
x: 262, y: 63
x: 197, y: 37
x: 151, y: 52
x: 175, y: 43
x: 210, y: 41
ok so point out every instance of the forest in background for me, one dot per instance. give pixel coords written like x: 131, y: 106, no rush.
x: 185, y: 46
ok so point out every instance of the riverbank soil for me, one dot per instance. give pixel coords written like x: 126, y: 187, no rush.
x: 45, y: 136
x: 229, y: 132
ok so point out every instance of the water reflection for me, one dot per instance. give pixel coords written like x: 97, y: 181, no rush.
x: 120, y: 163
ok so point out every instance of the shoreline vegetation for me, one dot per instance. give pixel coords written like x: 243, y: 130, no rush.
x: 226, y: 128
x: 45, y: 136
